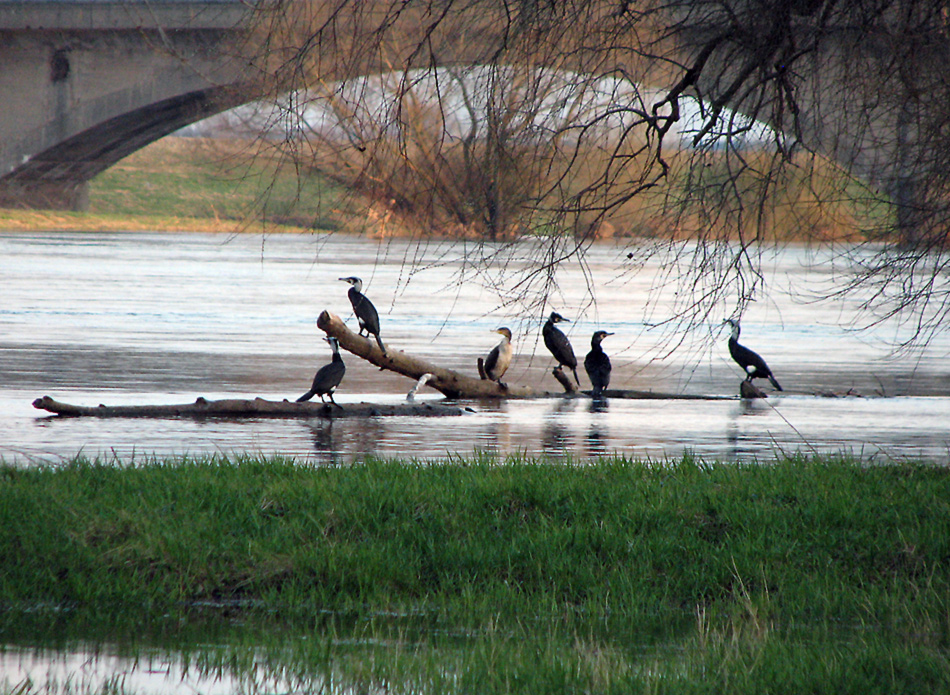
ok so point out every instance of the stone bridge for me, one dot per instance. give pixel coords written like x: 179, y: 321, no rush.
x: 86, y: 83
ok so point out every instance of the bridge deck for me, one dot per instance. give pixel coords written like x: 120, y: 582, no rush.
x: 110, y: 15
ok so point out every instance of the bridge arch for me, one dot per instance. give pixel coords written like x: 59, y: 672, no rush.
x: 85, y: 84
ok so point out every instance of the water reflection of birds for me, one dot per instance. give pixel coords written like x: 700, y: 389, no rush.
x: 555, y: 437
x: 751, y: 362
x: 328, y: 377
x: 366, y: 314
x: 498, y: 360
x: 324, y: 442
x: 597, y: 434
x: 745, y: 440
x: 597, y: 364
x: 598, y: 405
x: 558, y: 344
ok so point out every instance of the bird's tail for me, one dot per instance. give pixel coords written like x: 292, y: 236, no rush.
x: 306, y: 397
x: 574, y: 369
x: 778, y: 386
x: 383, y: 347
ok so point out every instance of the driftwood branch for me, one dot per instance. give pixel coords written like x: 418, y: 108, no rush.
x: 447, y: 381
x: 564, y: 380
x: 242, y: 408
x: 749, y: 390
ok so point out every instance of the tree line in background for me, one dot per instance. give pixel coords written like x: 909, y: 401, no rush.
x: 699, y: 129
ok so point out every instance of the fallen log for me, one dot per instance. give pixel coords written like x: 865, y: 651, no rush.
x: 564, y: 380
x: 447, y: 381
x: 455, y: 385
x: 749, y: 390
x: 246, y: 408
x: 635, y: 395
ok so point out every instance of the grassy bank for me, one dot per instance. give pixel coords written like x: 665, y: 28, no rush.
x: 217, y: 185
x: 823, y: 575
x: 812, y: 539
x: 184, y: 184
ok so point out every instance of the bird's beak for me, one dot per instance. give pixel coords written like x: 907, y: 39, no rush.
x: 609, y: 333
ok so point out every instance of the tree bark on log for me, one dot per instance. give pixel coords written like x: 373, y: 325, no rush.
x: 749, y: 390
x: 244, y: 408
x: 564, y: 380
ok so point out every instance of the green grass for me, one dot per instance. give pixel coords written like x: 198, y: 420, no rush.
x: 812, y: 539
x: 478, y: 575
x: 222, y: 181
x: 197, y: 185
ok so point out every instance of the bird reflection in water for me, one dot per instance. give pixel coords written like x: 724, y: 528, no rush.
x: 597, y: 435
x: 741, y: 445
x: 555, y: 437
x: 323, y: 443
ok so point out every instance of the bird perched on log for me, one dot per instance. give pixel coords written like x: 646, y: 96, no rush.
x: 558, y: 344
x: 365, y: 312
x: 498, y: 360
x: 751, y: 362
x: 328, y: 376
x: 597, y: 364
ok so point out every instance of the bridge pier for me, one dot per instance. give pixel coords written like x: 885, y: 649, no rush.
x: 87, y: 82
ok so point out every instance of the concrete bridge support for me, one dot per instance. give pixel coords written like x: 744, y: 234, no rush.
x: 85, y: 84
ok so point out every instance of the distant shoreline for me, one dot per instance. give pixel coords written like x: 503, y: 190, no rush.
x: 52, y: 221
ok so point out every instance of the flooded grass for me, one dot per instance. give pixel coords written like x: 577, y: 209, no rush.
x: 480, y: 575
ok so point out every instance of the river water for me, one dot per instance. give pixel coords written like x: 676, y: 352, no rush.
x: 133, y: 318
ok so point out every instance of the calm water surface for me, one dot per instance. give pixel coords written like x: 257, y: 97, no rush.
x: 165, y: 318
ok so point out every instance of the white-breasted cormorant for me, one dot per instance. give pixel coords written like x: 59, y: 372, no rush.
x: 365, y: 312
x: 597, y: 364
x: 498, y: 360
x: 328, y: 376
x: 558, y: 344
x: 751, y: 362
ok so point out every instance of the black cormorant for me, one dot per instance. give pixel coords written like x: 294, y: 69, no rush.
x: 328, y: 376
x: 496, y: 364
x: 365, y: 312
x: 558, y: 344
x: 751, y: 362
x: 597, y: 363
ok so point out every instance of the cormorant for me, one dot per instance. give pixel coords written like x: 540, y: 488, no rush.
x: 365, y: 312
x: 751, y: 362
x: 558, y: 344
x: 496, y: 364
x: 328, y: 376
x: 597, y: 363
